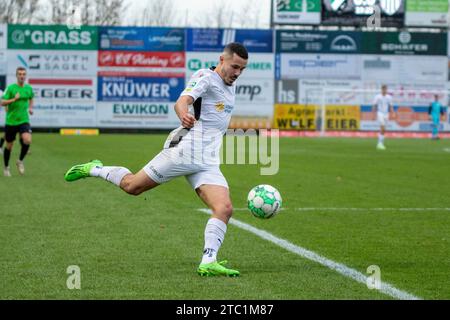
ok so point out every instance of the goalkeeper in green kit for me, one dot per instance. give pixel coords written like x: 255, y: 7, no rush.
x: 18, y: 97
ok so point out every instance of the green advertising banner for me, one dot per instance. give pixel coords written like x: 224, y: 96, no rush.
x: 427, y: 6
x: 296, y: 11
x: 55, y: 37
x: 312, y: 41
x: 430, y: 13
x: 405, y: 43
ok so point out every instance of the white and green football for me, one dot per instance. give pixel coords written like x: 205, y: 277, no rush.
x: 264, y: 201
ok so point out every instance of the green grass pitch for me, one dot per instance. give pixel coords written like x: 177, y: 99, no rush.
x: 148, y: 247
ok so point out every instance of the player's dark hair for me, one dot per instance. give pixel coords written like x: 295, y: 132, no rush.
x: 20, y: 69
x: 239, y: 49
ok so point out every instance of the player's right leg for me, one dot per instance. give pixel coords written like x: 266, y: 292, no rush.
x: 6, y: 157
x: 2, y: 141
x: 131, y: 183
x: 10, y: 136
x: 382, y: 121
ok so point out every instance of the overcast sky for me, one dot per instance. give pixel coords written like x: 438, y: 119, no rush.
x: 196, y: 8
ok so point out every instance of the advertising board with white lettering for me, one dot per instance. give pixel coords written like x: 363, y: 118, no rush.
x: 51, y: 37
x: 405, y: 43
x: 141, y: 39
x: 357, y: 12
x: 53, y: 63
x: 141, y: 59
x: 299, y: 41
x: 143, y: 89
x: 214, y: 40
x: 296, y: 11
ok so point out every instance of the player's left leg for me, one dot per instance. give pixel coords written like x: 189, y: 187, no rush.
x: 217, y: 198
x: 435, y: 131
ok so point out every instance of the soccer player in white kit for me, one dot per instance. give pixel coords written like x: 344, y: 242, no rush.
x: 193, y: 151
x: 382, y: 103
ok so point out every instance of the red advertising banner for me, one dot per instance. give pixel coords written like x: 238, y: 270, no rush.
x: 141, y: 59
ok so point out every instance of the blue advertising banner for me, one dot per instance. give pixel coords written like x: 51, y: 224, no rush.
x: 214, y: 40
x: 141, y: 39
x: 148, y: 89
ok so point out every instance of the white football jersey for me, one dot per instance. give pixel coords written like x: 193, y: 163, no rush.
x: 216, y: 108
x: 383, y: 103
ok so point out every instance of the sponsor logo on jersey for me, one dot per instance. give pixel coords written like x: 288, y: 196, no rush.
x: 220, y: 106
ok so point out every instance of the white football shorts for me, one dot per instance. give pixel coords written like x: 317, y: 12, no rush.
x: 382, y: 118
x: 171, y: 163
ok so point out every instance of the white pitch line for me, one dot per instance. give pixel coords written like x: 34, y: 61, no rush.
x: 360, y: 209
x: 340, y: 268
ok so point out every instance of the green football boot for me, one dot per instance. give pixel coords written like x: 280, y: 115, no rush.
x: 216, y: 269
x: 81, y: 170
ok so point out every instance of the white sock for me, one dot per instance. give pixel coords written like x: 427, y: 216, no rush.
x: 111, y: 174
x: 381, y: 138
x: 214, y: 234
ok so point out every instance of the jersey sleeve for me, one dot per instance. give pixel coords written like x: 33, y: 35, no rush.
x: 7, y: 94
x: 197, y: 86
x: 31, y: 93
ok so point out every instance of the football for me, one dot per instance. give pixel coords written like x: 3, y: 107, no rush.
x: 264, y: 201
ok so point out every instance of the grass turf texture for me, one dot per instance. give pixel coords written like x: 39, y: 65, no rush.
x: 148, y: 247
